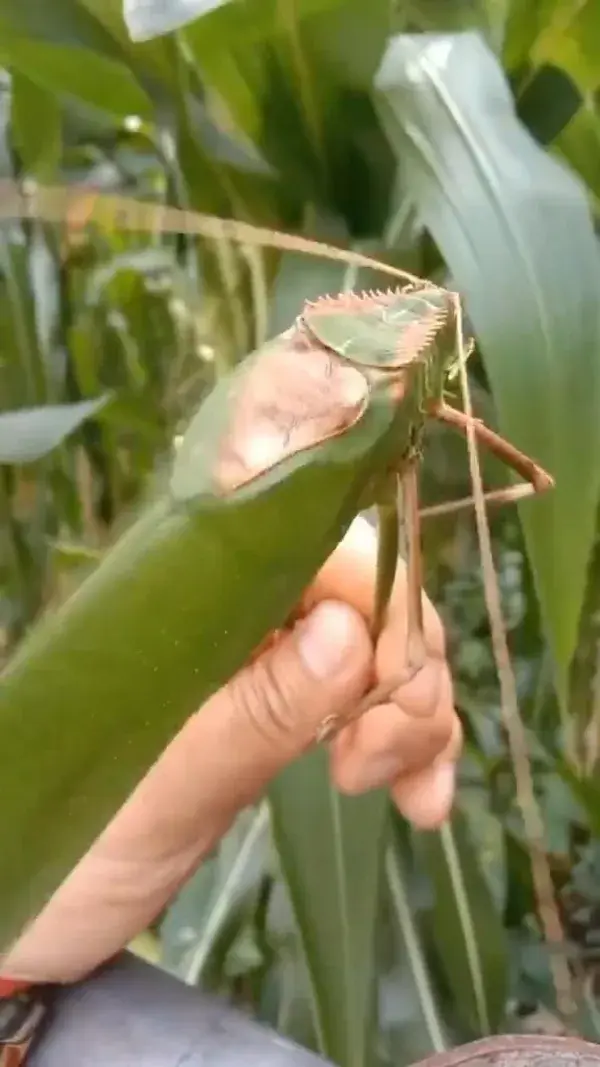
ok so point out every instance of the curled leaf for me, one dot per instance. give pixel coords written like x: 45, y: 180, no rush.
x: 29, y: 434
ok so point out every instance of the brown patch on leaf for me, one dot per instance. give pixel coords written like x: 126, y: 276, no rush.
x: 296, y: 395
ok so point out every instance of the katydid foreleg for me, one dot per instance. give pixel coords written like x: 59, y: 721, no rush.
x: 416, y: 651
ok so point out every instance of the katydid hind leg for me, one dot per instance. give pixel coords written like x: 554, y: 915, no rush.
x: 527, y: 468
x: 537, y: 480
x: 509, y: 495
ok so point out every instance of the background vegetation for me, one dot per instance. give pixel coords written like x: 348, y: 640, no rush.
x: 460, y: 140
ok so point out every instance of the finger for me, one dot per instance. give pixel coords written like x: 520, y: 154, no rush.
x: 388, y: 742
x: 426, y: 798
x: 218, y: 763
x: 349, y: 575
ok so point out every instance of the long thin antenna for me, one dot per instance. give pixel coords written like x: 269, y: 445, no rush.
x: 81, y: 206
x: 517, y: 739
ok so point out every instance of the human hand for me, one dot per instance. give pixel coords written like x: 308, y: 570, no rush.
x: 225, y: 756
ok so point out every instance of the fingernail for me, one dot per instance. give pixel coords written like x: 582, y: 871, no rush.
x: 327, y: 639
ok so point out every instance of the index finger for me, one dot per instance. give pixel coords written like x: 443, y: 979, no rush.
x: 349, y: 574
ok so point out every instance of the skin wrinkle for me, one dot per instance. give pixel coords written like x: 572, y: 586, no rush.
x: 266, y: 696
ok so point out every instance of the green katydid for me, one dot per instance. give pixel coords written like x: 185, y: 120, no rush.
x: 332, y: 410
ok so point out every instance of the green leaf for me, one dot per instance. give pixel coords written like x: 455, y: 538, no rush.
x: 89, y: 76
x: 415, y: 972
x: 572, y: 43
x: 524, y: 19
x: 64, y: 22
x: 515, y: 229
x: 287, y: 1003
x: 298, y: 281
x: 296, y: 79
x: 151, y: 18
x: 567, y: 35
x: 30, y: 433
x: 330, y: 848
x: 579, y: 144
x: 466, y: 927
x: 215, y: 899
x: 65, y: 48
x: 230, y: 25
x: 36, y: 128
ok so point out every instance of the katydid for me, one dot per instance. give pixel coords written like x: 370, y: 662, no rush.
x: 318, y: 424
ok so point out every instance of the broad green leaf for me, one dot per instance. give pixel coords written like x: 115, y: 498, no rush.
x: 63, y: 22
x: 330, y: 847
x: 229, y: 25
x: 89, y: 76
x: 524, y: 20
x: 579, y: 144
x: 221, y: 145
x: 439, y: 16
x: 571, y: 40
x: 216, y: 897
x: 151, y: 18
x: 65, y: 48
x: 298, y: 85
x: 425, y: 1025
x: 466, y: 927
x: 154, y: 63
x: 515, y: 229
x: 564, y: 33
x: 298, y: 281
x: 30, y: 433
x: 36, y: 128
x: 286, y: 1002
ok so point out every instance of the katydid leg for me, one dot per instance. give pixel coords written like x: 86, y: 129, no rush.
x: 537, y: 477
x: 537, y: 480
x: 415, y: 630
x: 509, y: 495
x: 416, y: 651
x: 388, y: 546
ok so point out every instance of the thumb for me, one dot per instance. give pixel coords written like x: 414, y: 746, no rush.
x: 276, y: 704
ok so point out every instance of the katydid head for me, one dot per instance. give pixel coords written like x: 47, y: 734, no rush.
x: 384, y: 331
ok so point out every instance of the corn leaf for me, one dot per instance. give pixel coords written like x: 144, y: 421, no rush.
x: 515, y: 229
